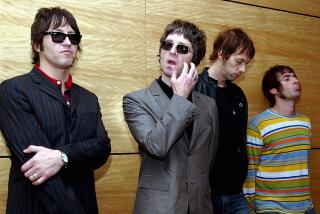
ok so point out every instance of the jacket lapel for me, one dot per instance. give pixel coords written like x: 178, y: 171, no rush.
x: 46, y: 86
x: 75, y: 97
x: 160, y: 98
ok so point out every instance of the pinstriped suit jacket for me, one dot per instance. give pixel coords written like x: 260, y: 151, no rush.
x: 34, y: 111
x: 174, y: 173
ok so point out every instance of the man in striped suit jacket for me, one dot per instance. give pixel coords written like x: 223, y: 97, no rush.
x: 278, y: 148
x: 52, y: 126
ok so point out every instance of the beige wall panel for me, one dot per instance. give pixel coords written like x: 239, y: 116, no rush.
x: 309, y: 7
x: 315, y: 178
x: 112, y: 62
x: 4, y: 177
x: 279, y: 37
x: 116, y: 184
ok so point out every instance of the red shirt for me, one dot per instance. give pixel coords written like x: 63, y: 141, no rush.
x: 58, y: 83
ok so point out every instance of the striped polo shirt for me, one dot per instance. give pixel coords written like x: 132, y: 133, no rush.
x: 278, y: 177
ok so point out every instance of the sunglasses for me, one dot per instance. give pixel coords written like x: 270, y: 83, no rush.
x: 59, y: 37
x: 181, y: 49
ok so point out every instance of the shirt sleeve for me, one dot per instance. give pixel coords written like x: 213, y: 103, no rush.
x: 254, y: 148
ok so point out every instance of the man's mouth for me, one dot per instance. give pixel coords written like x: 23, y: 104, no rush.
x: 171, y: 62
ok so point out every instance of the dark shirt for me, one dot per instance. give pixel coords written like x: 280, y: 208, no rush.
x: 224, y: 169
x: 231, y: 164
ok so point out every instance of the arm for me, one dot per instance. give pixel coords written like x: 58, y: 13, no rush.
x: 158, y: 135
x: 89, y: 154
x: 254, y: 147
x: 20, y: 130
x: 154, y: 135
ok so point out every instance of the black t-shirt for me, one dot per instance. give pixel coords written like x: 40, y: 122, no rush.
x: 227, y: 173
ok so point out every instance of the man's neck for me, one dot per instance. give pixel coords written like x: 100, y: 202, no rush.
x: 284, y: 107
x: 215, y: 72
x: 166, y: 79
x: 55, y: 73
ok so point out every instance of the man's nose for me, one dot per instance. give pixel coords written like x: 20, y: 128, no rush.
x: 66, y: 41
x: 173, y: 50
x: 243, y: 68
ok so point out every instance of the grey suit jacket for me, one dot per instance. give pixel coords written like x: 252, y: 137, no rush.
x: 174, y: 173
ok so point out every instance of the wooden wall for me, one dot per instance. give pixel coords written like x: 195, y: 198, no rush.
x: 120, y: 46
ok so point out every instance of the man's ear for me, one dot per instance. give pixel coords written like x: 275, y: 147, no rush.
x: 273, y: 91
x: 36, y: 47
x: 221, y: 55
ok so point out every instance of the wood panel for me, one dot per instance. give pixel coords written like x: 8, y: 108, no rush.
x: 4, y: 177
x: 309, y: 7
x: 116, y: 183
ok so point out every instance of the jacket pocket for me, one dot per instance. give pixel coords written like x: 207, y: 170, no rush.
x: 154, y: 182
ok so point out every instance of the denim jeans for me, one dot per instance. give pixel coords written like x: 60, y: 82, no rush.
x: 230, y: 204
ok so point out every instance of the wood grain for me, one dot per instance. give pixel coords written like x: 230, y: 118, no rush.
x: 309, y: 7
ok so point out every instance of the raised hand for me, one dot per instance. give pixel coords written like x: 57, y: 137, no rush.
x: 184, y: 84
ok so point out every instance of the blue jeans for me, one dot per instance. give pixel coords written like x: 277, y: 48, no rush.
x: 230, y: 204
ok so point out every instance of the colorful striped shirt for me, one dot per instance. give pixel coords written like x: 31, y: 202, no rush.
x: 278, y: 176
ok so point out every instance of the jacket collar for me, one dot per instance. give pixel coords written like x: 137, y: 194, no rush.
x: 46, y: 86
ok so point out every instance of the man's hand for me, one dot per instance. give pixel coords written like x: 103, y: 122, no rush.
x: 43, y: 165
x: 185, y: 82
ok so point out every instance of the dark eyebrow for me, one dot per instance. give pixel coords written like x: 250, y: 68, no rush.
x: 288, y: 75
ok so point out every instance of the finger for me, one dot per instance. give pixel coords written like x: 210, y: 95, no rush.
x: 39, y: 181
x: 30, y: 172
x: 32, y: 149
x: 33, y: 177
x: 185, y: 69
x: 26, y: 166
x: 174, y: 75
x: 192, y: 70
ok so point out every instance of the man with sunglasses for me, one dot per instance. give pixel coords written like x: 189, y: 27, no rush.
x: 52, y: 126
x: 175, y: 129
x: 232, y: 51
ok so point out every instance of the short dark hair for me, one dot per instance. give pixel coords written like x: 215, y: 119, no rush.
x: 271, y: 80
x: 230, y: 41
x: 46, y: 17
x: 191, y: 32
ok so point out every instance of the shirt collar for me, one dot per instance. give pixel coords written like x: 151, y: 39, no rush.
x: 57, y: 83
